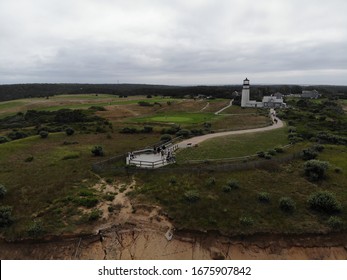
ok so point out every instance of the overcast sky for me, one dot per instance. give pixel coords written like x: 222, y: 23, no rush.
x: 173, y: 41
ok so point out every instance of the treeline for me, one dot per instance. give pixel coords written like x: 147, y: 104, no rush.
x: 17, y: 91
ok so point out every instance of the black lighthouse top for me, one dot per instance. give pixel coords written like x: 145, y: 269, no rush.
x: 246, y: 82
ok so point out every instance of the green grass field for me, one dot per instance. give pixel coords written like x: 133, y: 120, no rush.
x: 179, y: 118
x: 235, y: 146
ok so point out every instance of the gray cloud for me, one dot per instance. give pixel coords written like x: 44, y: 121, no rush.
x: 173, y: 42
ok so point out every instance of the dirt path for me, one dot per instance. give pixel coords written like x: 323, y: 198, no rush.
x: 221, y: 110
x: 198, y: 139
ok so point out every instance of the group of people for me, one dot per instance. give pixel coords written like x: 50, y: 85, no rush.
x: 168, y: 155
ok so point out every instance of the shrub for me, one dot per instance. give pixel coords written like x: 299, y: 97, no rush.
x: 35, y: 229
x: 246, y: 221
x: 165, y: 138
x: 287, y: 204
x: 147, y: 129
x: 97, y: 108
x: 261, y: 154
x: 43, y: 134
x: 226, y: 189
x: 69, y: 131
x: 211, y: 181
x: 279, y: 150
x: 264, y: 197
x: 29, y: 159
x: 324, y: 201
x: 144, y: 103
x: 318, y: 147
x: 315, y: 169
x: 3, y: 139
x: 173, y: 180
x: 268, y: 156
x: 88, y: 202
x: 97, y: 151
x: 5, y: 216
x: 271, y: 152
x: 3, y: 191
x: 184, y: 133
x: 191, y: 196
x: 335, y: 222
x: 308, y: 154
x: 14, y: 135
x: 129, y: 130
x: 233, y: 184
x: 94, y: 215
x: 291, y: 129
x: 108, y: 197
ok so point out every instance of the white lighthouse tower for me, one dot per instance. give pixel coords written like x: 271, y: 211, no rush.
x: 245, y: 93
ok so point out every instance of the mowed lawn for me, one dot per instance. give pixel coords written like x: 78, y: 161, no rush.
x: 178, y: 118
x: 235, y: 146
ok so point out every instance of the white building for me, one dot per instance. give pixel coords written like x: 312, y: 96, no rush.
x: 267, y: 102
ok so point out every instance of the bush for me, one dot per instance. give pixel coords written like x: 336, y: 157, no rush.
x: 279, y: 150
x: 184, y: 133
x: 14, y: 135
x: 166, y: 138
x: 291, y: 129
x: 211, y: 181
x: 5, y: 216
x: 318, y: 148
x: 173, y: 180
x: 88, y: 202
x: 3, y: 139
x: 233, y: 184
x: 261, y: 154
x: 43, y: 134
x: 246, y: 221
x: 271, y: 152
x: 324, y: 201
x: 315, y: 169
x: 35, y: 229
x: 69, y: 131
x: 147, y: 129
x: 287, y: 204
x: 191, y: 196
x: 29, y: 159
x: 308, y: 154
x: 264, y: 197
x: 268, y: 156
x: 226, y: 189
x: 94, y: 215
x: 3, y: 191
x: 97, y: 151
x: 335, y: 222
x: 129, y: 130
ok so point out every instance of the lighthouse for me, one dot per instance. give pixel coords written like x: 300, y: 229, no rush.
x: 245, y: 93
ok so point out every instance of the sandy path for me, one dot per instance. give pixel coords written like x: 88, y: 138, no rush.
x: 198, y: 139
x: 221, y: 110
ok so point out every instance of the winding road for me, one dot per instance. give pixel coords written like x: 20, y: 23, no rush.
x: 198, y: 139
